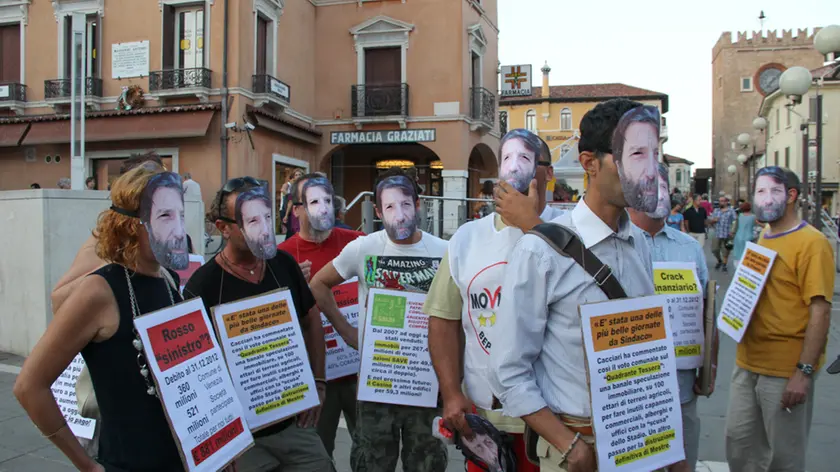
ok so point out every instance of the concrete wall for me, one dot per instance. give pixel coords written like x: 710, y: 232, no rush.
x: 42, y: 231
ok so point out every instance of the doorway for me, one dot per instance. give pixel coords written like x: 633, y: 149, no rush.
x: 284, y: 170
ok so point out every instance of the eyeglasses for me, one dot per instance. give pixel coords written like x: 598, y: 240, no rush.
x: 544, y: 163
x: 231, y: 186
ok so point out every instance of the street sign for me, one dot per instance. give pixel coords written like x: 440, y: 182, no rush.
x: 516, y: 81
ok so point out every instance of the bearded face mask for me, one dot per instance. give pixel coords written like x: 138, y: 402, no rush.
x: 518, y: 158
x: 253, y: 215
x: 663, y: 205
x: 162, y: 214
x: 635, y: 147
x: 770, y: 199
x: 396, y: 197
x: 318, y: 203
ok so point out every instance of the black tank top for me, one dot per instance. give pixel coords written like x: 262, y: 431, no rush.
x: 134, y: 433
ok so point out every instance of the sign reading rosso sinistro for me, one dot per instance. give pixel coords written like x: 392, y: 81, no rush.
x: 64, y: 391
x: 633, y: 384
x: 742, y: 295
x: 265, y: 352
x: 342, y: 360
x: 684, y: 304
x: 396, y: 367
x: 195, y: 388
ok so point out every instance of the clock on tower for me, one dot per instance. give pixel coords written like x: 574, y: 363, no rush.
x: 767, y: 78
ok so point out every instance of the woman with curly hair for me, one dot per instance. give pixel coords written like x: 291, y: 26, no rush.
x: 97, y: 320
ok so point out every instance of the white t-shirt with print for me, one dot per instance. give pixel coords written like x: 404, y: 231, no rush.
x: 351, y: 262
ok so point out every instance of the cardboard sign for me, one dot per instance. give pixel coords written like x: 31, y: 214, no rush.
x: 342, y: 360
x: 265, y: 352
x: 194, y: 386
x: 636, y: 412
x: 396, y: 367
x: 64, y: 391
x: 743, y: 292
x: 678, y: 281
x: 196, y: 261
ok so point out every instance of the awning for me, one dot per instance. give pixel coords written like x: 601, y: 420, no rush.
x: 121, y: 128
x: 10, y: 134
x: 278, y: 124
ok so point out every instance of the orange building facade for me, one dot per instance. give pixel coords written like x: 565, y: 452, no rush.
x: 255, y: 87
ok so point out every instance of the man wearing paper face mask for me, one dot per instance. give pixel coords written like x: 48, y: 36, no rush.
x: 537, y: 368
x: 162, y: 213
x: 771, y: 399
x: 671, y: 245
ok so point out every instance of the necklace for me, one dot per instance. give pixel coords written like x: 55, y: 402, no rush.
x: 231, y: 263
x: 135, y: 312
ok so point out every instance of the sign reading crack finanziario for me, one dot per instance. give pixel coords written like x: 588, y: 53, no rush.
x: 384, y: 137
x: 204, y: 414
x: 265, y: 352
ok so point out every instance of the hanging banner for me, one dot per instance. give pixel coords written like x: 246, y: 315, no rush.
x: 678, y: 281
x: 636, y: 412
x: 64, y: 391
x: 196, y: 261
x: 743, y: 292
x: 265, y: 352
x: 396, y: 367
x: 342, y: 360
x: 194, y: 386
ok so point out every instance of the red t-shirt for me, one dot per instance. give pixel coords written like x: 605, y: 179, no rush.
x: 319, y: 254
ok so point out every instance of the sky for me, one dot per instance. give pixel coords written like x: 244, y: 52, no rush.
x: 659, y: 45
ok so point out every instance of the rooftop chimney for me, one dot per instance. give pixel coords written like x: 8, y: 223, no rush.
x: 545, y: 88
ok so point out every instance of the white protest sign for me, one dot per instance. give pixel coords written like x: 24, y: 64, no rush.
x: 684, y: 305
x: 743, y: 292
x: 636, y: 411
x: 194, y: 386
x: 196, y: 261
x: 266, y: 355
x: 342, y: 360
x: 396, y: 367
x: 64, y: 391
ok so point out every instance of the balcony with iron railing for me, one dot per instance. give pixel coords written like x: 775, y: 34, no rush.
x: 482, y: 108
x: 12, y: 96
x: 58, y: 92
x: 379, y: 101
x: 174, y: 83
x: 269, y: 90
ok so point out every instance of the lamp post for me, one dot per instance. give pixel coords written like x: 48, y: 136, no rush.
x: 796, y: 82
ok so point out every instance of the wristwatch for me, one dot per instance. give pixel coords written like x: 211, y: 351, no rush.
x: 806, y: 369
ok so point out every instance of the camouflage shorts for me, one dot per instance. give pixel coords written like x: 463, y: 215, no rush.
x: 379, y: 428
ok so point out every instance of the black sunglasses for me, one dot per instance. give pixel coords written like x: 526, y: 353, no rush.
x: 231, y: 186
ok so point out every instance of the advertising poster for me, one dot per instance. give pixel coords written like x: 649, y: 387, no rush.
x: 196, y: 261
x: 636, y: 412
x: 64, y: 391
x: 194, y: 386
x: 265, y: 352
x: 342, y: 360
x: 744, y: 290
x: 396, y: 367
x: 679, y: 283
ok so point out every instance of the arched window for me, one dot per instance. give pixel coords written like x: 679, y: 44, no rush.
x: 566, y: 119
x: 531, y: 120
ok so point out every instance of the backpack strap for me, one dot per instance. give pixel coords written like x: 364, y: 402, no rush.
x: 567, y: 244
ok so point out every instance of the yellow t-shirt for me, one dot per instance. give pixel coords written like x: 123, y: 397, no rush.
x: 803, y: 269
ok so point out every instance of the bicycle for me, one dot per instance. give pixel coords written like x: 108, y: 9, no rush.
x: 213, y: 240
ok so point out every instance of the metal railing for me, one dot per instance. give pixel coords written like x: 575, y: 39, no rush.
x: 179, y: 78
x: 267, y: 84
x: 12, y: 92
x: 483, y: 105
x: 379, y: 100
x: 62, y: 88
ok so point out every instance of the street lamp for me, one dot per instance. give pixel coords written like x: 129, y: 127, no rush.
x: 796, y: 82
x: 733, y: 170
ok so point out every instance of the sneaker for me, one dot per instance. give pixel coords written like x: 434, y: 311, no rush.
x: 718, y: 266
x: 725, y: 269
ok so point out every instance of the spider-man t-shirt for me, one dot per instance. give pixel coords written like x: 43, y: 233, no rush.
x: 378, y: 262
